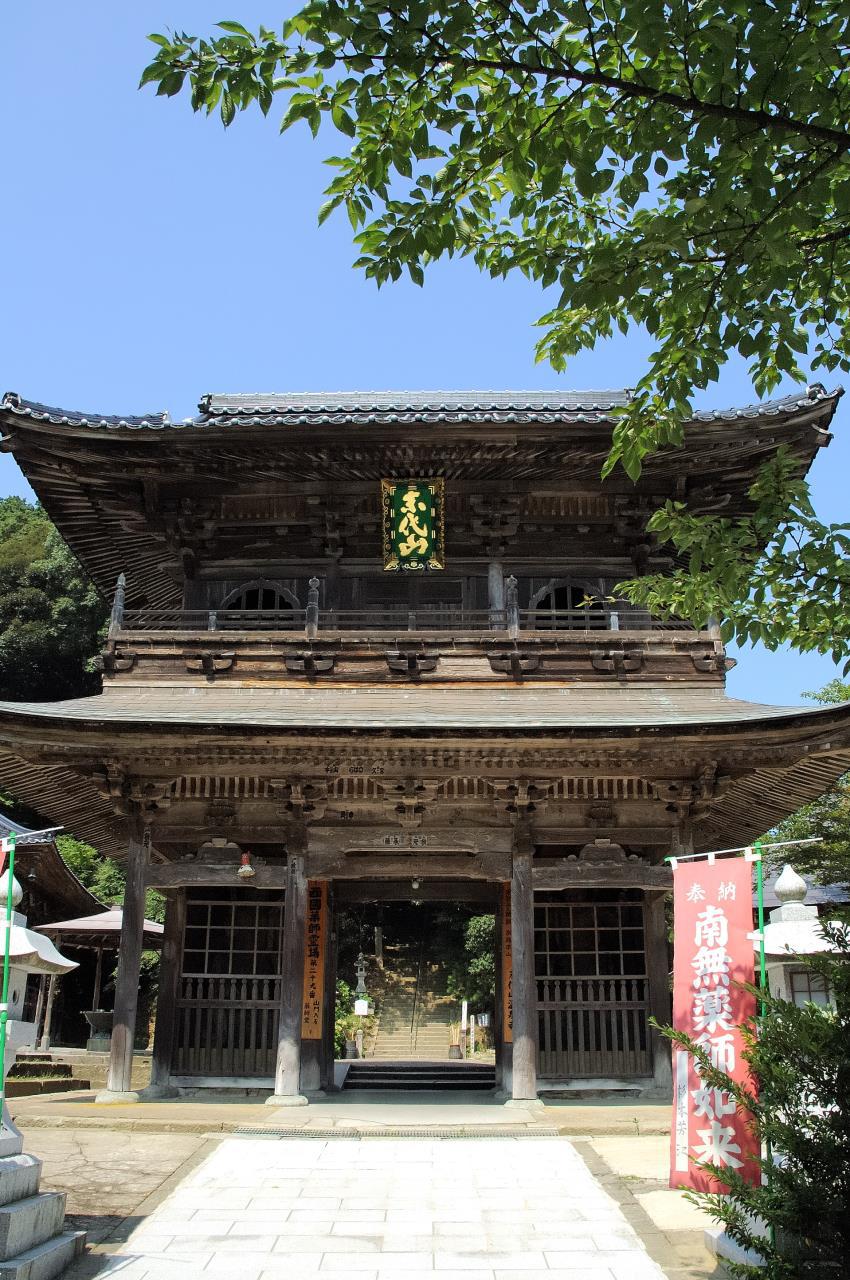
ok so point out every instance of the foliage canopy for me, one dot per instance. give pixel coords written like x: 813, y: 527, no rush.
x: 827, y: 817
x: 676, y: 166
x: 50, y: 613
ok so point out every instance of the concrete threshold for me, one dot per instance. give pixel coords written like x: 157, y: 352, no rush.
x: 349, y: 1115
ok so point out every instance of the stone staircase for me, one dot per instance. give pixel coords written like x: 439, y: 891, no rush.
x: 420, y: 1076
x: 34, y: 1072
x: 415, y: 1011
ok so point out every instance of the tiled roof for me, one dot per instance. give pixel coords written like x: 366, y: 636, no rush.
x: 817, y: 895
x: 574, y: 717
x: 569, y: 709
x: 75, y: 418
x: 24, y: 834
x: 370, y: 408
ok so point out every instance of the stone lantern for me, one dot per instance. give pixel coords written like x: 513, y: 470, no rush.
x: 35, y: 1219
x: 793, y: 931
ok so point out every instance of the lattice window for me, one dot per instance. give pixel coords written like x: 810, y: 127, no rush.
x: 562, y: 605
x: 602, y: 937
x: 233, y: 938
x: 261, y: 594
x: 808, y: 987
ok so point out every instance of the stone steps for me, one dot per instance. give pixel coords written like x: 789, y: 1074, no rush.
x: 33, y: 1244
x: 32, y: 1073
x: 420, y: 1076
x: 47, y: 1260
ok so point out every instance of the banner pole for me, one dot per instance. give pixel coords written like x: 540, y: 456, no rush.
x: 757, y: 849
x: 768, y: 1145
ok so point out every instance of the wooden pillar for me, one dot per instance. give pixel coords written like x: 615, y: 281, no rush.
x: 118, y: 1081
x: 328, y: 1081
x: 169, y: 991
x: 98, y: 979
x: 524, y: 986
x: 502, y: 1026
x: 287, y: 1083
x: 39, y: 1006
x: 48, y: 1013
x: 658, y: 974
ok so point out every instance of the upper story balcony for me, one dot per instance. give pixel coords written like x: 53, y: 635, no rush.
x: 427, y: 620
x: 603, y: 640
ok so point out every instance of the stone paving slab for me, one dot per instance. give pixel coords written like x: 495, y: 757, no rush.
x: 498, y: 1209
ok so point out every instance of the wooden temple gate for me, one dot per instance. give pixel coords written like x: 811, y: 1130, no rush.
x: 592, y: 988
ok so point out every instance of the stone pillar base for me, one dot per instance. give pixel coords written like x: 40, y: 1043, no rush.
x: 118, y: 1095
x: 524, y: 1104
x: 287, y: 1100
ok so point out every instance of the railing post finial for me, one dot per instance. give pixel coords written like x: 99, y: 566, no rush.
x: 512, y: 606
x: 312, y: 619
x: 116, y: 618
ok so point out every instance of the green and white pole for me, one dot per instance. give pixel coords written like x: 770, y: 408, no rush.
x: 8, y: 847
x: 759, y: 861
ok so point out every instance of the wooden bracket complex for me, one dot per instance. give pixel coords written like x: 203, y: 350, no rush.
x: 616, y: 662
x: 309, y: 665
x: 514, y: 663
x: 209, y: 663
x: 411, y: 664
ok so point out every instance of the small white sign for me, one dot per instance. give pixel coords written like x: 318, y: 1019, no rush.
x: 361, y: 1008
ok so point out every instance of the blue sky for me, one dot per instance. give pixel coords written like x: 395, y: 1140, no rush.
x: 150, y: 257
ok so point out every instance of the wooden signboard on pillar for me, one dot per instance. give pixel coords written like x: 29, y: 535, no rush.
x: 507, y: 968
x: 315, y: 936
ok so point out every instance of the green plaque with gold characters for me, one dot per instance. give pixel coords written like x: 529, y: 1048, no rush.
x: 413, y: 525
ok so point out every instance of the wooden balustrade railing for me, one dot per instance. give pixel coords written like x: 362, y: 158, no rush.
x: 396, y: 621
x: 593, y: 1027
x: 227, y: 1026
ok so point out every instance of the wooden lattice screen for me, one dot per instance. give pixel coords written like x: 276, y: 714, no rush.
x: 229, y: 998
x: 592, y: 987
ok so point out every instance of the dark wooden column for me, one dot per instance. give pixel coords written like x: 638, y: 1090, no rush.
x: 327, y: 1081
x: 287, y: 1083
x: 502, y: 1032
x: 169, y: 990
x: 658, y: 971
x: 524, y: 987
x: 119, y: 1078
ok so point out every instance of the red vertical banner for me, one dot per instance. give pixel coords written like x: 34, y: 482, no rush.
x: 713, y: 954
x: 314, y: 960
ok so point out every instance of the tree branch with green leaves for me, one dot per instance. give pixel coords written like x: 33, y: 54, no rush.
x: 679, y: 168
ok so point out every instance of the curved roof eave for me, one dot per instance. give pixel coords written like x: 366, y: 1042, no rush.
x: 401, y: 407
x: 754, y: 802
x: 573, y: 711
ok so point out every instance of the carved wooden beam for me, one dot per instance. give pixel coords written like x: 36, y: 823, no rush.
x: 572, y: 874
x: 410, y: 866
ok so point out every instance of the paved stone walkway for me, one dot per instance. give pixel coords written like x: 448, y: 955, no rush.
x: 381, y: 1209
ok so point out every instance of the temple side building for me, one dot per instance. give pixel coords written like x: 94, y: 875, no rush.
x: 367, y: 642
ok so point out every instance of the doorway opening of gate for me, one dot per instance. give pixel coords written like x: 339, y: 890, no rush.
x: 428, y: 972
